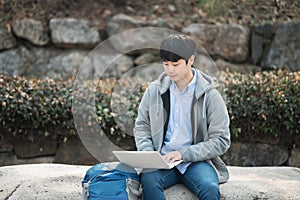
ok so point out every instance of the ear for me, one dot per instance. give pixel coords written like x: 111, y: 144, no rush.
x: 191, y: 60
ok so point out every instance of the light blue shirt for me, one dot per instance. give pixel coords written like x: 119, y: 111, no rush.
x: 179, y: 131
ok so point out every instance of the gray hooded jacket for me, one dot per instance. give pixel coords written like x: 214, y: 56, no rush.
x: 210, y: 122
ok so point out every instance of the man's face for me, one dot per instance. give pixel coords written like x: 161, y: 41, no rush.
x: 179, y: 70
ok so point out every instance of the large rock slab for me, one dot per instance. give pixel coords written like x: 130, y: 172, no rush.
x: 230, y: 41
x: 41, y: 181
x: 248, y: 183
x: 58, y: 181
x: 285, y: 48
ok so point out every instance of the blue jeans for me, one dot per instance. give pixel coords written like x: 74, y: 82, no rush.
x: 200, y: 178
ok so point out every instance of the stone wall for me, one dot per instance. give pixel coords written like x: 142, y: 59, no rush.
x: 27, y: 48
x: 60, y: 147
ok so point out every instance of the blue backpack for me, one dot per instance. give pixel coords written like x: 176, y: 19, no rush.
x: 111, y: 181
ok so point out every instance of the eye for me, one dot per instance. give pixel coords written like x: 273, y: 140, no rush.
x: 172, y: 64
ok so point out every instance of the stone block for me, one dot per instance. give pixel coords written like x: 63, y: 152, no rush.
x: 265, y: 30
x: 7, y: 40
x: 256, y: 154
x: 122, y: 22
x: 72, y: 151
x: 6, y: 141
x: 294, y: 159
x: 15, y: 61
x: 256, y: 48
x: 230, y: 41
x: 32, y: 30
x: 285, y: 48
x: 35, y: 145
x: 69, y: 32
x: 146, y: 58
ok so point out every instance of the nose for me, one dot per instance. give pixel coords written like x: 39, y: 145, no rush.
x: 170, y: 68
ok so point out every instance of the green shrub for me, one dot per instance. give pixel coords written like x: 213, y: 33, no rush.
x: 34, y: 104
x: 264, y: 103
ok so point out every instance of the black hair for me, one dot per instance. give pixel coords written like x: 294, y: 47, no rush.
x: 176, y: 47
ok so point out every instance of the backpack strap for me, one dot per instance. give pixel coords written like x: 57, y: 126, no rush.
x: 101, y: 174
x: 133, y: 187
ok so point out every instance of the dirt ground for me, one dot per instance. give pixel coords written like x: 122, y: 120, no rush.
x: 178, y: 12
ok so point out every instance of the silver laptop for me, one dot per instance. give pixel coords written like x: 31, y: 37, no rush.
x: 144, y: 159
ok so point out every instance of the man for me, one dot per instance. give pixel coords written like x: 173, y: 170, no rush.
x: 184, y: 117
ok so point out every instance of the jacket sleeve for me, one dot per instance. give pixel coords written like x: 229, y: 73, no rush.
x: 217, y: 138
x: 142, y: 128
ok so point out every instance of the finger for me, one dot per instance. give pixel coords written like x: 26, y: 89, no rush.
x: 171, y: 158
x: 166, y: 157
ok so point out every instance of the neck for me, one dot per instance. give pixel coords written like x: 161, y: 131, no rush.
x: 181, y: 84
